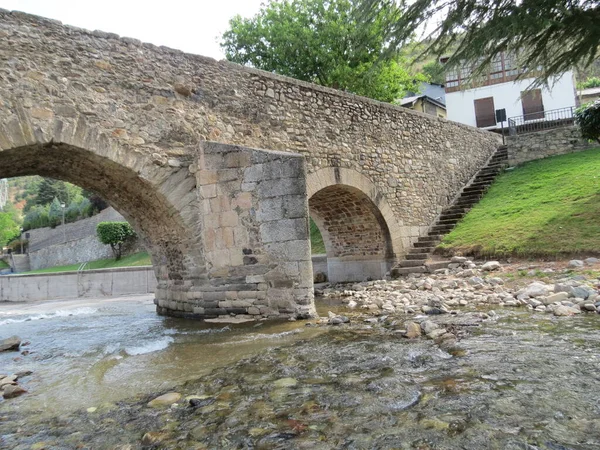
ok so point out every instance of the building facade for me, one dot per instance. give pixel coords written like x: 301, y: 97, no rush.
x: 475, y: 101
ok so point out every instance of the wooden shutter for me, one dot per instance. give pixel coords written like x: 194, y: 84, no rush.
x: 485, y: 115
x: 533, y: 107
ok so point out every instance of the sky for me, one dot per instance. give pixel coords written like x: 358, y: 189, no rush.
x: 193, y: 26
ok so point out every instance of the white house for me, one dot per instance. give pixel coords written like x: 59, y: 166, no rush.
x: 475, y: 102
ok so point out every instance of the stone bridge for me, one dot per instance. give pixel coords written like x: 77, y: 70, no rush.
x: 218, y: 166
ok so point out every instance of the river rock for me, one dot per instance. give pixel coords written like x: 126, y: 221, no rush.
x: 490, y: 266
x: 11, y: 343
x: 428, y: 326
x: 413, y: 330
x: 555, y: 298
x: 588, y: 307
x: 581, y: 292
x: 154, y: 438
x: 575, y: 263
x: 10, y: 391
x: 536, y: 289
x: 590, y: 261
x: 165, y: 400
x: 458, y: 259
x: 320, y: 277
x: 563, y: 310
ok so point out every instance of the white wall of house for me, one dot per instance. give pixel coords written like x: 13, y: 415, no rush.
x: 460, y: 106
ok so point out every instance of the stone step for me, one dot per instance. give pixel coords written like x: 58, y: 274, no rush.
x: 399, y: 271
x: 412, y: 263
x: 469, y: 198
x: 416, y: 255
x: 454, y: 210
x: 443, y: 228
x: 428, y: 238
x: 448, y: 222
x: 471, y: 189
x: 481, y: 178
x: 457, y: 216
x: 423, y: 245
x: 420, y: 248
x: 437, y: 265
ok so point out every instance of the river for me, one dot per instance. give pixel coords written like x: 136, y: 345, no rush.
x: 519, y: 381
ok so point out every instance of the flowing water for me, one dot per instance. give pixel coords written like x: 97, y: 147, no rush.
x: 522, y: 381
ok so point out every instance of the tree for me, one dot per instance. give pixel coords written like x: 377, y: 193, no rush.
x: 588, y: 119
x: 9, y: 228
x: 323, y: 42
x: 551, y: 35
x: 115, y: 234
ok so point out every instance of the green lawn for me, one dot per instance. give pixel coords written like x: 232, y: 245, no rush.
x: 549, y: 207
x: 137, y: 259
x: 316, y: 240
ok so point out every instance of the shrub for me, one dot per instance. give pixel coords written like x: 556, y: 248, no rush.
x: 115, y: 234
x: 588, y: 119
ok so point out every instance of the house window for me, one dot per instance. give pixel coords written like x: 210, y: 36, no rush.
x: 430, y: 109
x: 485, y: 114
x: 533, y: 107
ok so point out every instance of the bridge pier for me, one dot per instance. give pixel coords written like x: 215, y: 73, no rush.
x: 255, y: 238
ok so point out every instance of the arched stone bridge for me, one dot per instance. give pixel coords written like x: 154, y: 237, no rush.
x: 170, y: 139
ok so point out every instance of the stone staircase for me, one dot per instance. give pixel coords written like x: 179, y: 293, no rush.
x: 416, y: 261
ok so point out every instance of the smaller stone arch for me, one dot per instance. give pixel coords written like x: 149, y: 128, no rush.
x: 360, y: 232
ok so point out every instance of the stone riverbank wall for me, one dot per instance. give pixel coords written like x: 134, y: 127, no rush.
x: 66, y: 285
x: 541, y: 144
x: 72, y: 243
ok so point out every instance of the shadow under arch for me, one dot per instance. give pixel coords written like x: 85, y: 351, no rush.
x: 157, y: 201
x: 358, y: 226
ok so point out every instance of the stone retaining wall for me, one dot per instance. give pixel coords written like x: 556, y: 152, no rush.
x: 558, y: 141
x: 76, y: 243
x: 66, y: 285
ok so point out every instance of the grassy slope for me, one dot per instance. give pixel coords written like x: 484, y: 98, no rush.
x: 542, y: 208
x: 316, y: 240
x: 3, y: 264
x: 137, y: 259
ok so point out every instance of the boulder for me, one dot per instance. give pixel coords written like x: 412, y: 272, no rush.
x: 413, y: 330
x: 555, y: 298
x: 575, y: 263
x: 490, y: 266
x: 535, y: 289
x: 11, y: 343
x: 458, y: 259
x: 590, y: 261
x: 428, y: 326
x: 320, y: 277
x: 563, y: 310
x: 165, y: 400
x: 12, y: 391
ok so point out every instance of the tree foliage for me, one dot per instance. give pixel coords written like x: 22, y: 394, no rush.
x: 593, y: 82
x: 588, y: 119
x: 115, y: 234
x: 551, y: 35
x: 9, y: 228
x: 323, y: 42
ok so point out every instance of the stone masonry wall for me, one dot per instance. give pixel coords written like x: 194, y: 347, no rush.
x: 162, y: 103
x: 558, y: 141
x: 255, y: 217
x: 77, y: 243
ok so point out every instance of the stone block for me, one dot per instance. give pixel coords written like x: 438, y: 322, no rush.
x: 284, y: 230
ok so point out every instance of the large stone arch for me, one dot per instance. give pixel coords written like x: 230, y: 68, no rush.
x: 157, y: 197
x: 226, y: 226
x: 359, y: 229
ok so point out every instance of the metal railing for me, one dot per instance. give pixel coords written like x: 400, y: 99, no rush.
x: 543, y: 120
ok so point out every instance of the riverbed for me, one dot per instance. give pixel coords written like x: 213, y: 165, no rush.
x: 514, y: 380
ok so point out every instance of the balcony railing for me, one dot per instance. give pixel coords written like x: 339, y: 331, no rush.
x: 539, y: 121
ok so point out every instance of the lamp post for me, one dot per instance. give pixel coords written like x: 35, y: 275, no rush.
x: 62, y: 206
x: 21, y: 239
